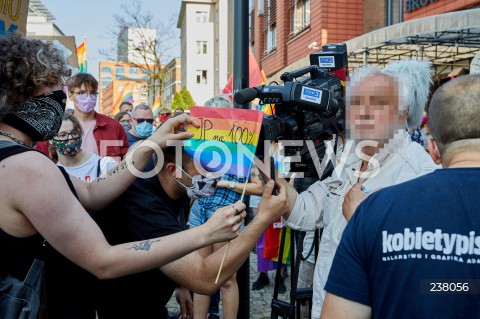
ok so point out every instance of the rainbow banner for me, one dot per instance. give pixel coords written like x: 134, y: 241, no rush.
x: 226, y: 140
x: 125, y: 96
x: 82, y: 56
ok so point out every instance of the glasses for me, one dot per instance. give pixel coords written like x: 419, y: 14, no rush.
x: 64, y: 136
x: 165, y: 113
x: 144, y: 120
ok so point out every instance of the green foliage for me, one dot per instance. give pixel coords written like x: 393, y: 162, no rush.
x: 177, y: 101
x: 187, y: 98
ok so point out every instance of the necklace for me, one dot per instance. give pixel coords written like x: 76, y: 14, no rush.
x: 13, y: 137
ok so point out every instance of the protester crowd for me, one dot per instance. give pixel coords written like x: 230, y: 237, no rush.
x: 95, y: 224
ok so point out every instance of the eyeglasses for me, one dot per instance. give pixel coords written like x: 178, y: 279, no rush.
x: 165, y: 113
x: 64, y: 135
x: 144, y: 120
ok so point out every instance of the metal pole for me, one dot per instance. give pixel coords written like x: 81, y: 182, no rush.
x: 241, y: 81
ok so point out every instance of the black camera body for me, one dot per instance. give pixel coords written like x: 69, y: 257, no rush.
x: 310, y: 108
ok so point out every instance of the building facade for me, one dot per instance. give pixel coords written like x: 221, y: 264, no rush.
x: 113, y: 77
x: 206, y: 46
x: 172, y: 80
x: 283, y: 33
x: 135, y: 45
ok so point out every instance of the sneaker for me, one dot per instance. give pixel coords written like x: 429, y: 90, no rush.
x: 213, y: 316
x: 261, y: 282
x: 281, y: 286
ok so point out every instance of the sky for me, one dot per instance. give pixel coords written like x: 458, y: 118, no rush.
x: 94, y: 19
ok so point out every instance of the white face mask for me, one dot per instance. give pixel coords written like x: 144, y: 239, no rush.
x: 202, y: 186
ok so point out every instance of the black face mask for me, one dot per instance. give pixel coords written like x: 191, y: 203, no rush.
x: 39, y: 117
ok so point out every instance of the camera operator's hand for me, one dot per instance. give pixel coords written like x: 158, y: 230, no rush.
x: 175, y: 128
x: 272, y: 207
x: 226, y: 222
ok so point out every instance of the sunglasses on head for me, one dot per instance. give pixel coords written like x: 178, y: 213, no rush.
x: 144, y: 120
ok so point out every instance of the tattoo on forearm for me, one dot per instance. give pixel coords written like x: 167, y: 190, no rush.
x: 116, y: 169
x: 144, y: 245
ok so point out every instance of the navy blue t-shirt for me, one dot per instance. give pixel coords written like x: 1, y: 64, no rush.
x: 404, y: 239
x: 132, y: 139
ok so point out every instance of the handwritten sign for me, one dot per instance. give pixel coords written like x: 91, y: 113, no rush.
x: 13, y: 16
x: 226, y: 139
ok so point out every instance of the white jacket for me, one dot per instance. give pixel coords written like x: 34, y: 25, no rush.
x: 321, y: 204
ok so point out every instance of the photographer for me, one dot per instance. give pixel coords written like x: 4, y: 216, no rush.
x: 379, y: 104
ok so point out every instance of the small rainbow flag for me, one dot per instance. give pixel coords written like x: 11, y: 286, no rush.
x: 125, y: 96
x: 226, y: 140
x: 156, y: 106
x: 82, y: 56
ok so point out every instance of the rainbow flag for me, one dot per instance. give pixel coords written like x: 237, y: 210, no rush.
x: 82, y: 56
x: 156, y: 106
x: 125, y: 96
x: 226, y: 140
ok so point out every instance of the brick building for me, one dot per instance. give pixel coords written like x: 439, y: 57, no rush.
x: 283, y: 33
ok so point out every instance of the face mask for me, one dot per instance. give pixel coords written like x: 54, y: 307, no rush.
x: 70, y: 147
x: 86, y: 102
x: 144, y: 129
x: 202, y: 186
x: 126, y: 125
x: 39, y: 117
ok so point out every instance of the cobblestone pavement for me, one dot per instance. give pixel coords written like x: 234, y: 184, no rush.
x: 260, y: 300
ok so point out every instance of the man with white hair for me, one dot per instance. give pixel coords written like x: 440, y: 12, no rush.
x: 413, y: 250
x: 378, y: 153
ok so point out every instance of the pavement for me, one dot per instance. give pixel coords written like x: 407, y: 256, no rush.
x: 260, y: 300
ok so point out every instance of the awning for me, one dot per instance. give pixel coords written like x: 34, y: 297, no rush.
x: 448, y: 40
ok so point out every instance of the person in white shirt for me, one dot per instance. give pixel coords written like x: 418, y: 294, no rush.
x: 381, y: 105
x: 65, y: 150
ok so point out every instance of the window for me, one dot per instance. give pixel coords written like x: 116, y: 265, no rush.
x: 394, y: 11
x: 135, y: 88
x: 201, y: 16
x: 201, y: 76
x: 119, y: 70
x: 105, y: 83
x: 106, y: 69
x: 133, y: 70
x: 120, y: 87
x: 271, y: 38
x: 300, y: 15
x: 270, y: 26
x: 119, y: 76
x: 201, y: 47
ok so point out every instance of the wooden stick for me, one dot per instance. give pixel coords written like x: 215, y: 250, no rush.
x: 228, y: 245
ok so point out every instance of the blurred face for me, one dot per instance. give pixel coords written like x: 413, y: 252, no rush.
x: 125, y: 118
x: 142, y: 115
x: 372, y: 109
x: 126, y: 108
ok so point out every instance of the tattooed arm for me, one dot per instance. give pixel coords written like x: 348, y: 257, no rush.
x: 100, y: 192
x: 39, y: 201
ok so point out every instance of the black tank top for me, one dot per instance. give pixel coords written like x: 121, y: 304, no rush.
x: 17, y: 254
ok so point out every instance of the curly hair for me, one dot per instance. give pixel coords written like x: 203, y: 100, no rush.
x: 26, y: 65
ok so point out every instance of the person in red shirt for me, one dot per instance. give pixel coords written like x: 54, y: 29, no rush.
x: 102, y: 135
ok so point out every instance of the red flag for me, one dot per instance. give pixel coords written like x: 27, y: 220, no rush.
x: 255, y: 76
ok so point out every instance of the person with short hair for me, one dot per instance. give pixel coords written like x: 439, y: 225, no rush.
x: 102, y: 135
x: 142, y: 124
x: 126, y: 107
x: 412, y: 250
